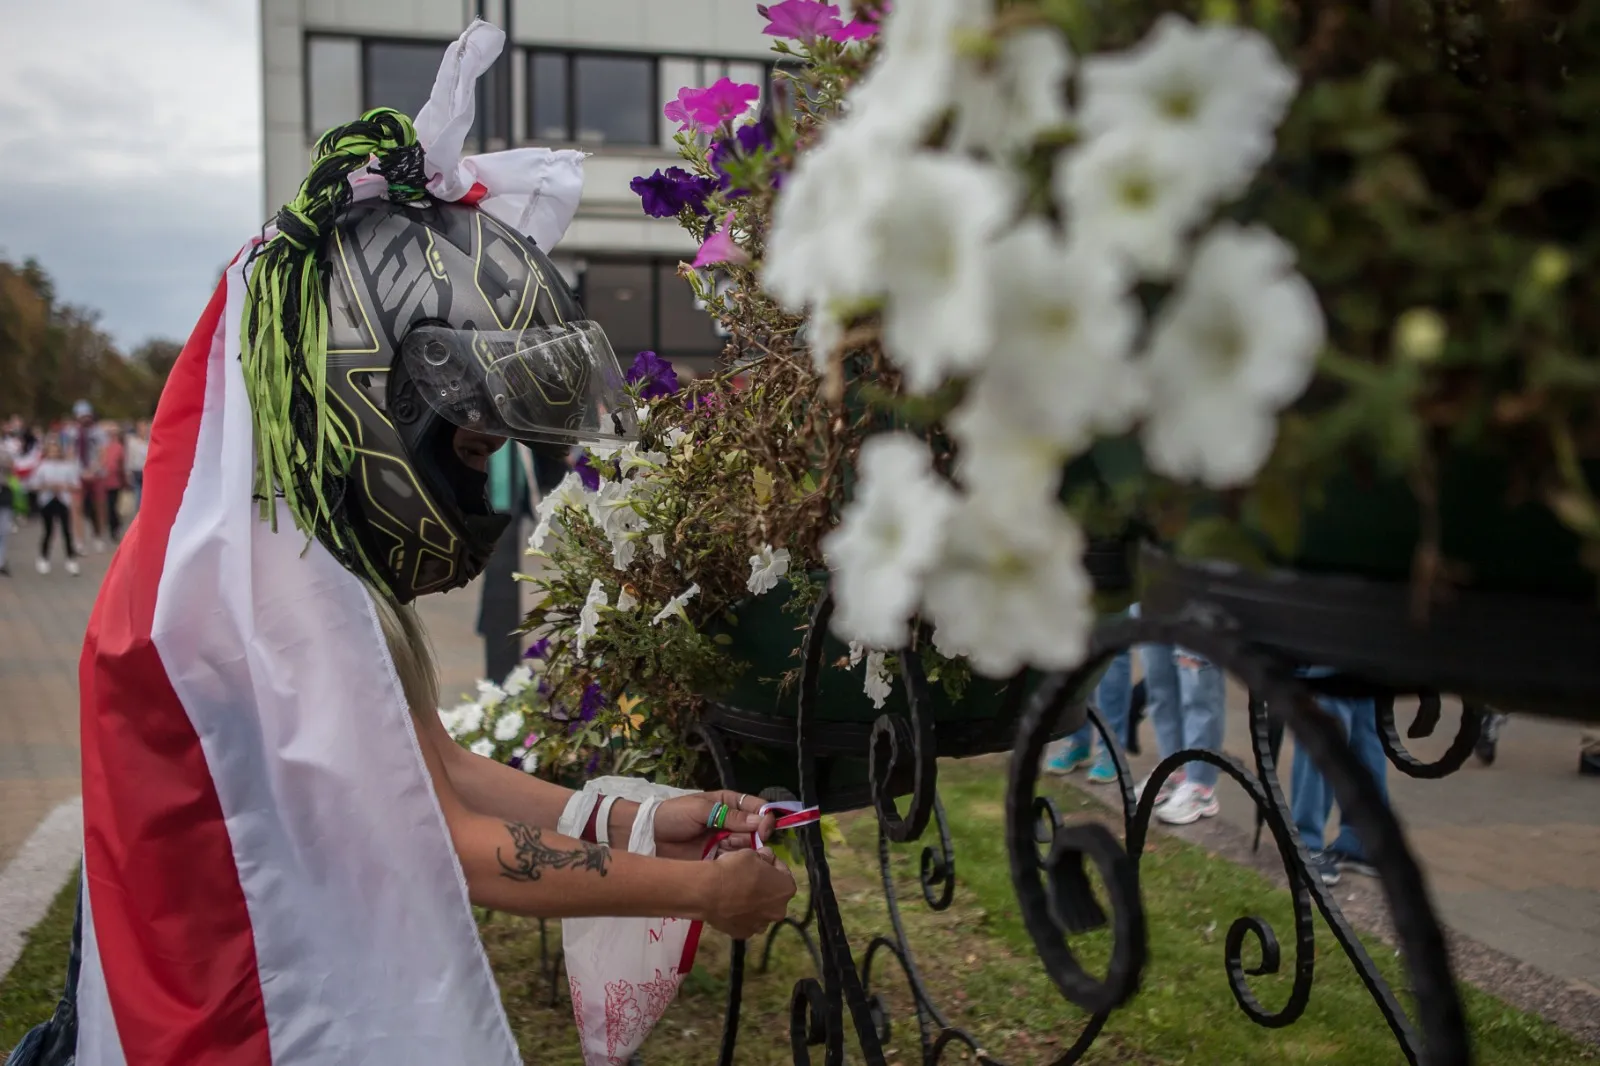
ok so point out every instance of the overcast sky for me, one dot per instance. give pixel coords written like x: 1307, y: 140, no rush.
x: 130, y: 151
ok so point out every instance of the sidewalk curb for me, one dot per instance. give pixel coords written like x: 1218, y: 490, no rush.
x: 30, y: 883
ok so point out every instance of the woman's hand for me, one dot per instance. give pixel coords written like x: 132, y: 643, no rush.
x: 682, y: 833
x: 752, y: 889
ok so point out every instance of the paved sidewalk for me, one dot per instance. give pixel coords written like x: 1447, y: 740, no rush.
x: 1512, y: 851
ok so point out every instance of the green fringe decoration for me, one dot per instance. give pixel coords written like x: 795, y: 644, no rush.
x: 303, y: 451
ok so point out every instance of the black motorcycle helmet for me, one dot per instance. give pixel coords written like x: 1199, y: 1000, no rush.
x: 439, y: 319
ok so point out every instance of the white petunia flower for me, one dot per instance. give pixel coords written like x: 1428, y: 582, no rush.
x: 490, y: 695
x: 570, y: 493
x: 612, y: 508
x: 675, y: 437
x: 658, y: 544
x: 888, y: 539
x: 589, y: 617
x: 675, y: 606
x: 469, y: 719
x: 1065, y: 323
x: 1238, y: 342
x: 624, y: 546
x: 508, y: 727
x: 518, y: 680
x: 633, y: 459
x: 938, y: 317
x: 879, y: 684
x: 1005, y: 109
x: 1011, y: 589
x: 483, y: 746
x: 767, y: 568
x: 821, y: 249
x: 530, y: 763
x: 1133, y: 195
x: 915, y: 78
x: 642, y: 413
x: 626, y: 601
x: 1002, y: 457
x: 1222, y: 87
x: 451, y: 720
x: 858, y: 651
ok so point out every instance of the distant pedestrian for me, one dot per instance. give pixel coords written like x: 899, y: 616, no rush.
x: 1311, y: 798
x: 138, y: 445
x: 113, y: 478
x: 1186, y: 702
x: 8, y: 465
x: 57, y: 480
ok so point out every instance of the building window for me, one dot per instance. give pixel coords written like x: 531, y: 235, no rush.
x: 333, y: 82
x: 400, y: 74
x: 592, y: 98
x: 644, y: 305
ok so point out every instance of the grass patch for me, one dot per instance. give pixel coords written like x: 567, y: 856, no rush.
x: 980, y: 967
x: 29, y: 993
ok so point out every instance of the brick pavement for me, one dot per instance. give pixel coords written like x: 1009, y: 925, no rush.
x: 1512, y: 852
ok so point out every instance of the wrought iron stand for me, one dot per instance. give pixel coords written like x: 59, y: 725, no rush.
x: 1261, y: 630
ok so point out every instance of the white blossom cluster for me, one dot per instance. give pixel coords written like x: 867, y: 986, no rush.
x: 1041, y: 318
x: 493, y: 725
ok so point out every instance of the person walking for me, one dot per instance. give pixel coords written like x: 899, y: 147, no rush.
x: 57, y: 480
x: 113, y: 479
x: 138, y: 445
x: 84, y: 442
x: 1185, y: 696
x: 1311, y: 797
x: 8, y: 465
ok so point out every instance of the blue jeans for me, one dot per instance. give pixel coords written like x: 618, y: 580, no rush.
x: 1185, y: 699
x: 1114, y: 698
x: 1311, y: 798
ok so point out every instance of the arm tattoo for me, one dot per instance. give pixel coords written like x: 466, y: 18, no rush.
x: 532, y: 857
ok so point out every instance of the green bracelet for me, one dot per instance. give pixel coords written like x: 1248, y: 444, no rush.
x: 721, y: 816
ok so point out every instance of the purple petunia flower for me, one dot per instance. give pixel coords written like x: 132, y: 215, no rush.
x: 594, y: 764
x: 587, y: 473
x: 658, y: 376
x: 593, y: 700
x: 538, y: 650
x: 515, y: 762
x: 750, y: 139
x: 665, y: 193
x: 801, y: 20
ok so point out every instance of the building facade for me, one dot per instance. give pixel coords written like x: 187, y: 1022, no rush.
x: 589, y: 74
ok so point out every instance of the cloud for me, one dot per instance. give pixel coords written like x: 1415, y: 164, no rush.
x: 131, y: 139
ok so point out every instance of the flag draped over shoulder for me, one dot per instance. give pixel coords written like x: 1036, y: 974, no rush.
x: 268, y: 878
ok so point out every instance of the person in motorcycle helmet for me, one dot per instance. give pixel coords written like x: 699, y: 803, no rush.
x: 281, y: 840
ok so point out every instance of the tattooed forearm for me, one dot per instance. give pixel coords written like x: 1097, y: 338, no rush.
x: 532, y: 856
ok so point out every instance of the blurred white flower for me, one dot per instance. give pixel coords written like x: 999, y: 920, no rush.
x: 938, y: 317
x: 1221, y: 86
x: 509, y: 726
x: 879, y: 684
x: 589, y: 617
x: 767, y: 568
x: 1134, y: 195
x: 1065, y: 323
x: 518, y: 680
x: 658, y: 544
x: 469, y: 719
x: 675, y: 606
x: 915, y: 78
x: 451, y: 720
x: 570, y: 493
x: 490, y: 695
x: 530, y: 763
x: 624, y: 546
x: 887, y: 540
x: 483, y: 746
x: 675, y: 437
x: 1011, y: 589
x: 857, y: 651
x: 626, y: 601
x: 1002, y: 457
x: 821, y: 248
x: 642, y: 413
x: 1238, y: 342
x: 1003, y: 109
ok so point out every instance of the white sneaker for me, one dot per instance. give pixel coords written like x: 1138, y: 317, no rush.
x: 1189, y: 804
x: 1168, y: 788
x: 43, y: 566
x: 72, y: 567
x: 99, y: 546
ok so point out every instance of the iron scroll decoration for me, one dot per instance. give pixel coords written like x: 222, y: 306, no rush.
x: 1049, y: 860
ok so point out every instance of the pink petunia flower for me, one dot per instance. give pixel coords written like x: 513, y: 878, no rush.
x: 721, y: 102
x: 856, y: 30
x: 679, y: 110
x: 720, y: 248
x: 802, y: 20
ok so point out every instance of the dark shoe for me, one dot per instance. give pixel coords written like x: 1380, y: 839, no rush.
x: 1589, y: 764
x: 1488, y: 738
x: 1136, y: 702
x: 1354, y: 865
x: 1325, y: 868
x: 5, y: 571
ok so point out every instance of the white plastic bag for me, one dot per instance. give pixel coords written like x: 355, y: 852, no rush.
x: 624, y: 972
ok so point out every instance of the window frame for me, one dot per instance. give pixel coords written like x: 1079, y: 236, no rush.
x: 656, y: 264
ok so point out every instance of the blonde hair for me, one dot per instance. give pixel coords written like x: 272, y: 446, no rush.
x: 411, y: 652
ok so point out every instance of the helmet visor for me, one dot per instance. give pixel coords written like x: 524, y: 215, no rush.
x: 559, y: 384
